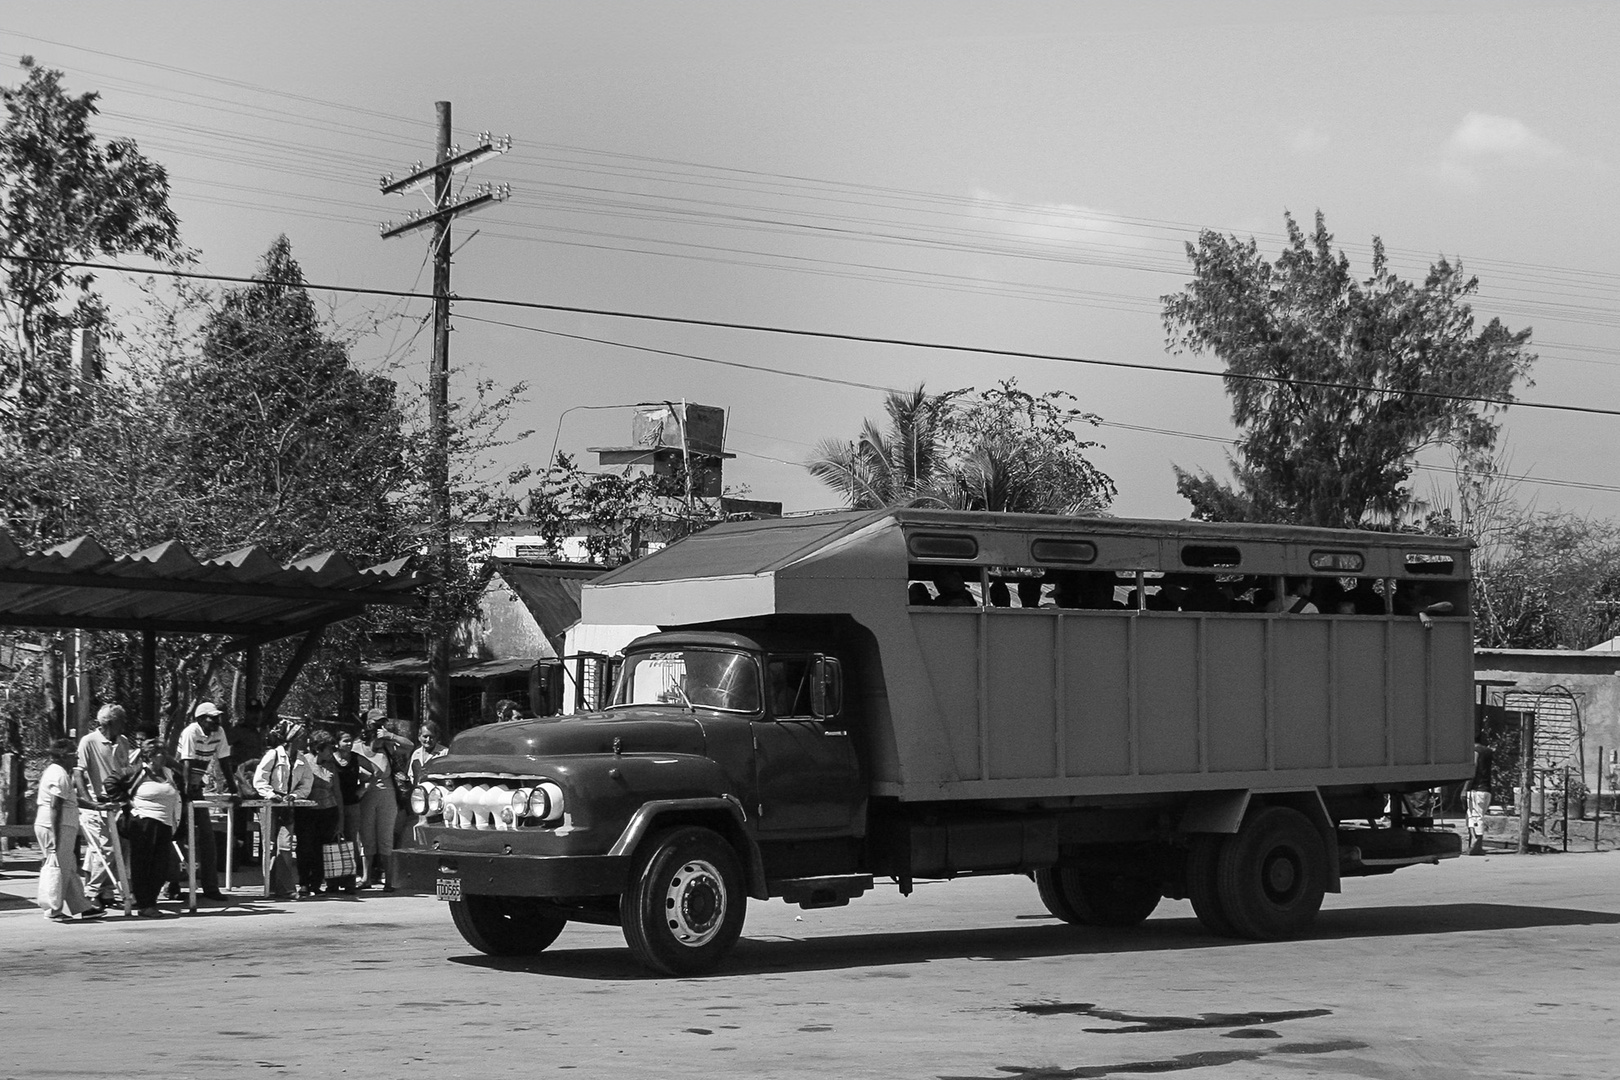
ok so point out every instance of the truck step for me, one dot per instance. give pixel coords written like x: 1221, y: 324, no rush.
x: 820, y: 892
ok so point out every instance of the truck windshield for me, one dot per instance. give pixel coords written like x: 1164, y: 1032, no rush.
x: 695, y: 678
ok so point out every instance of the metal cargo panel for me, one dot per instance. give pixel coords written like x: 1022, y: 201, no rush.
x: 1359, y: 689
x: 1167, y: 695
x: 1096, y: 685
x: 1022, y: 706
x: 1299, y: 693
x: 1234, y: 658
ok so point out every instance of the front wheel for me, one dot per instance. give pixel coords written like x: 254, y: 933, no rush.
x: 506, y: 925
x: 685, y: 906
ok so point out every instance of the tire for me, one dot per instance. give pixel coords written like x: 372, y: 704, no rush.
x: 1106, y: 899
x: 686, y: 903
x: 1203, y: 888
x: 1055, y: 894
x: 1272, y: 875
x: 506, y: 925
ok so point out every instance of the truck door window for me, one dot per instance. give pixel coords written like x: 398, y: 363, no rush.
x: 789, y: 678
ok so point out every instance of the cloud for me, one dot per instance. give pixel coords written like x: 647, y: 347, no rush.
x: 1481, y: 135
x: 1308, y: 140
x: 1483, y: 142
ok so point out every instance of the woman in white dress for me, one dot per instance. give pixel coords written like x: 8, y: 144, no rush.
x: 56, y: 826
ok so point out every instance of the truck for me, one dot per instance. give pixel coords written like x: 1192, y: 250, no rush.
x: 1121, y: 710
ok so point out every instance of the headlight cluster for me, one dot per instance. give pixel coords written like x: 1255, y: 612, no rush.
x: 489, y: 806
x: 427, y: 800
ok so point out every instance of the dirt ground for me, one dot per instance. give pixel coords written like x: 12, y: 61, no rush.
x: 1501, y: 966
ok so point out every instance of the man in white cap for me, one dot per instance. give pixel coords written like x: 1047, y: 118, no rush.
x: 205, y: 763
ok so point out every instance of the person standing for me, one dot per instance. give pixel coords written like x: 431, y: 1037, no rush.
x: 284, y: 773
x: 154, y: 811
x: 56, y: 827
x: 321, y: 824
x: 353, y: 774
x: 1477, y: 792
x: 428, y: 747
x: 104, y: 753
x: 378, y: 802
x: 204, y: 757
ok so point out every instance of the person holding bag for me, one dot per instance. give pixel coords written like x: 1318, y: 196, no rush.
x: 56, y: 827
x: 319, y: 828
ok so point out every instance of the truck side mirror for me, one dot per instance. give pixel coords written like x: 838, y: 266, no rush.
x: 827, y: 689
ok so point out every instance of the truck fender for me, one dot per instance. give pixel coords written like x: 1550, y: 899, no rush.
x: 1224, y: 811
x: 1214, y: 812
x: 656, y: 812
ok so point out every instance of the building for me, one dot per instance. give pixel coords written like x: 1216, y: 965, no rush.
x: 1574, y: 698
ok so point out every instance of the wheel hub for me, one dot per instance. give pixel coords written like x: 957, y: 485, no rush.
x: 1280, y: 876
x: 695, y: 903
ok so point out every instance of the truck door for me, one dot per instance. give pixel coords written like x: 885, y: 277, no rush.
x: 808, y: 780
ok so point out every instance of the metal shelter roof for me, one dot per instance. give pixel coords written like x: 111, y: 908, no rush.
x: 166, y: 589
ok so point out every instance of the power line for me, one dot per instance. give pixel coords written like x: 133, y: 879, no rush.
x: 831, y: 335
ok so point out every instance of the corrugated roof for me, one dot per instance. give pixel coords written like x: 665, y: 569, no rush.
x: 166, y: 589
x: 550, y: 591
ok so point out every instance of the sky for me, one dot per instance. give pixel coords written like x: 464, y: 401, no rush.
x: 1013, y: 176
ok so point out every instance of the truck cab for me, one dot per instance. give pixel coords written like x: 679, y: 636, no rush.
x: 712, y: 741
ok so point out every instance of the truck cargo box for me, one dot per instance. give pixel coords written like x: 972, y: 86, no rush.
x: 1052, y: 700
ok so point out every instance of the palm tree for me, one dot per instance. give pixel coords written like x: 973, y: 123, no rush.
x: 887, y: 468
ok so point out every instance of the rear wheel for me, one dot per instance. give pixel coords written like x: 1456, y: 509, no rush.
x: 1055, y: 894
x: 686, y: 903
x: 1109, y: 898
x: 506, y: 925
x: 1203, y: 888
x: 1272, y: 875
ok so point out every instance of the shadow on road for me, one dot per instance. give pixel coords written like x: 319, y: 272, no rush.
x: 1023, y: 942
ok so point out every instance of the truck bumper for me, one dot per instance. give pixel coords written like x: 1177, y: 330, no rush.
x: 479, y: 874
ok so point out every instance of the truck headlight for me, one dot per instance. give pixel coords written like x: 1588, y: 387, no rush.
x: 427, y: 799
x: 546, y: 802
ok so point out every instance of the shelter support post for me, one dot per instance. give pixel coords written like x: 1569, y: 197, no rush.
x: 149, y: 677
x: 306, y: 649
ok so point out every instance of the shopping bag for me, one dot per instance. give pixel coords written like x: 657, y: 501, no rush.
x: 338, y: 860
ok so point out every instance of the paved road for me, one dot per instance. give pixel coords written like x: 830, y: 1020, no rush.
x: 1485, y: 967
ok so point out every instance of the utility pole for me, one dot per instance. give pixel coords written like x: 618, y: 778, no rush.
x: 447, y: 160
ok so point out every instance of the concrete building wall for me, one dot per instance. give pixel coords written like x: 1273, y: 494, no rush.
x: 1593, y: 678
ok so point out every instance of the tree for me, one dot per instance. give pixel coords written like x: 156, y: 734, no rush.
x: 1336, y: 384
x: 1549, y: 580
x: 617, y: 514
x: 1014, y: 452
x: 888, y: 467
x: 64, y: 195
x: 1002, y: 450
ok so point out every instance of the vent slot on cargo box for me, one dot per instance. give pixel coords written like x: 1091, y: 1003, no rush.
x: 942, y: 546
x: 1048, y: 550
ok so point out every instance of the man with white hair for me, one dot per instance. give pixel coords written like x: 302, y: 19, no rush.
x: 103, y: 754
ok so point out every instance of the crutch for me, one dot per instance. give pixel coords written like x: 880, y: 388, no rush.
x: 118, y: 861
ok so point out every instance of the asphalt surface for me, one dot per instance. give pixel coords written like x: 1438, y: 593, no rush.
x: 1504, y: 966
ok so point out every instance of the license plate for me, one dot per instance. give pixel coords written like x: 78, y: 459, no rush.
x: 449, y: 888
